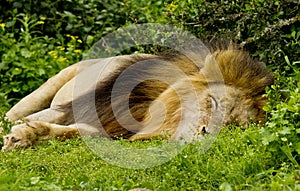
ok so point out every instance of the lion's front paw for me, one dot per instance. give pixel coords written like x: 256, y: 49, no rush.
x: 20, y: 136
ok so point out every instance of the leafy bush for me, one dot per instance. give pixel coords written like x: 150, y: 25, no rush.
x: 264, y: 27
x: 89, y: 19
x: 27, y: 61
x: 255, y: 24
x: 50, y: 35
x: 282, y: 131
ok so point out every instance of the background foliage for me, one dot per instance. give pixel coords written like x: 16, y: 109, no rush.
x: 39, y: 38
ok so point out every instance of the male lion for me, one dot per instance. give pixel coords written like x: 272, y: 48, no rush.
x: 141, y: 96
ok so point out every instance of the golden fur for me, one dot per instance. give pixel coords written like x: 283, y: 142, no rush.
x: 49, y: 111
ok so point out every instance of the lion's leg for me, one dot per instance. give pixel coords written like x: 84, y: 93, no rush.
x: 47, y: 131
x: 42, y: 97
x: 50, y: 130
x: 30, y: 133
x: 50, y: 115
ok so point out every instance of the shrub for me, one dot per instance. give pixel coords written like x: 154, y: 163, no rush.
x: 282, y: 131
x: 89, y: 19
x: 27, y: 60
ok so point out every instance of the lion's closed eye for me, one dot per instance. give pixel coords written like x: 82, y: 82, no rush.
x: 12, y: 139
x: 15, y: 139
x: 214, y: 102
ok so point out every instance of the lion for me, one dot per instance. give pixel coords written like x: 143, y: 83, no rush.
x: 143, y: 96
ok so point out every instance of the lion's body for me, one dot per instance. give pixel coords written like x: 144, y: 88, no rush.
x: 123, y: 96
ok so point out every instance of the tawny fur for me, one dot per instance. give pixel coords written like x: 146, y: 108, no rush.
x: 49, y: 111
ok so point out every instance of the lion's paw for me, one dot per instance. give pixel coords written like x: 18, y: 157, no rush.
x: 20, y: 136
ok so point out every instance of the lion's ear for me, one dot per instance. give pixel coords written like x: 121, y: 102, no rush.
x: 211, y: 70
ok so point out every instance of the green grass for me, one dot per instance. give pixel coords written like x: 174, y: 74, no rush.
x: 237, y: 160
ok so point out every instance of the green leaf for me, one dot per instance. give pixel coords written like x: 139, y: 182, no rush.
x: 16, y: 71
x: 41, y: 71
x: 285, y: 131
x: 25, y: 52
x: 34, y: 180
x: 225, y: 186
x: 297, y: 147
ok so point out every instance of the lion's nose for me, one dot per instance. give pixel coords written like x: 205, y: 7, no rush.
x: 204, y: 130
x: 4, y: 149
